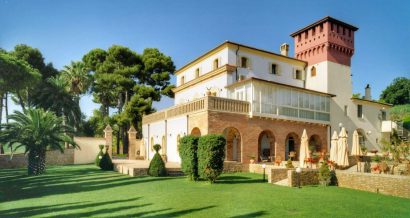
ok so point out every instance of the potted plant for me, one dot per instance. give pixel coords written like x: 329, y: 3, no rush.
x: 289, y: 164
x: 376, y: 169
x: 252, y: 159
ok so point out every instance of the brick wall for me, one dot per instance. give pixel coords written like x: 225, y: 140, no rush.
x: 233, y: 167
x: 251, y: 128
x: 382, y: 183
x: 307, y: 177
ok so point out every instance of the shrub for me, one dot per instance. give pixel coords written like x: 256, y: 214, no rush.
x: 289, y: 164
x: 106, y: 163
x: 376, y: 158
x: 188, y: 146
x: 324, y: 174
x: 99, y: 155
x: 211, y: 155
x: 157, y: 165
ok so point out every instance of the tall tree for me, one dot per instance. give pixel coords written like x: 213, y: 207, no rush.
x: 78, y: 79
x: 398, y: 92
x: 129, y: 81
x: 15, y: 75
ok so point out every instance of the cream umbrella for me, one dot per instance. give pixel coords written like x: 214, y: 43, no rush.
x: 356, y: 151
x: 342, y: 149
x: 304, y: 150
x: 333, y: 148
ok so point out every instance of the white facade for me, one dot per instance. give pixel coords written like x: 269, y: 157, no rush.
x: 285, y: 95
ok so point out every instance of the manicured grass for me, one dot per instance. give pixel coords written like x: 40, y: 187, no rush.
x: 78, y: 191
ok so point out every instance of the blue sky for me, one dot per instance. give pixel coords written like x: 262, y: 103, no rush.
x: 66, y: 30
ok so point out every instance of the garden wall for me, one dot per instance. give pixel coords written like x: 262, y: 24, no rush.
x: 277, y: 175
x: 380, y: 183
x: 307, y: 177
x: 88, y: 149
x: 52, y: 158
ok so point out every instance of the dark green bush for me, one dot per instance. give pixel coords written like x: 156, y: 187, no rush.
x: 99, y: 155
x: 324, y: 174
x: 211, y: 155
x: 188, y: 146
x: 106, y: 163
x: 157, y: 165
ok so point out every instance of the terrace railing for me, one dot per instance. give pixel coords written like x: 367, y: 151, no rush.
x: 208, y: 103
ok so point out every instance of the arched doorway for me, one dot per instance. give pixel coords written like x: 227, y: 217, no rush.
x: 292, y: 144
x: 266, y: 145
x: 315, y: 141
x: 196, y: 132
x: 233, y: 144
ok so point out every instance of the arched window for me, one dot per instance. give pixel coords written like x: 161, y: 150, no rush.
x: 216, y: 64
x: 313, y: 72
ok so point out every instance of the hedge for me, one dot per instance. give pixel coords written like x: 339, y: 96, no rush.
x: 188, y: 146
x: 211, y: 155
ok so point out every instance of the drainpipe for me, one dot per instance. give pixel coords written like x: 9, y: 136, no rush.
x: 237, y: 61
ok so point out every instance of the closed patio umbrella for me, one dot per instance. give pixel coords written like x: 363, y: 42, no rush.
x: 333, y: 148
x: 342, y: 149
x: 356, y: 151
x: 304, y: 150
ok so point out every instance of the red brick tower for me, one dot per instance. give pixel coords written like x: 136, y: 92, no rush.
x: 325, y: 40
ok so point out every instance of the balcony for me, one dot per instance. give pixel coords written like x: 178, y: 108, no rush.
x: 208, y: 103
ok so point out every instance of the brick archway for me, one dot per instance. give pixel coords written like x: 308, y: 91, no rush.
x: 196, y: 131
x: 292, y: 143
x: 233, y: 144
x: 266, y: 144
x: 316, y: 141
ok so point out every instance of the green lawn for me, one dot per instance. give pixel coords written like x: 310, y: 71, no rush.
x: 77, y: 191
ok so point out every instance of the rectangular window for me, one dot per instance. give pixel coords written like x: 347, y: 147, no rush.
x: 306, y: 34
x: 244, y: 62
x: 197, y: 73
x: 298, y: 74
x: 321, y: 28
x: 360, y: 111
x: 299, y: 37
x: 384, y: 115
x: 313, y: 31
x: 274, y: 69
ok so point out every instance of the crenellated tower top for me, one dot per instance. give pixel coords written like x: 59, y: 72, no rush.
x: 325, y: 40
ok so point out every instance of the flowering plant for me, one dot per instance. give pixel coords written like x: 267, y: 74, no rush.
x: 376, y: 168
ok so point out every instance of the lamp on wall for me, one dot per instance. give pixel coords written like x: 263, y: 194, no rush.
x: 264, y: 167
x: 369, y: 132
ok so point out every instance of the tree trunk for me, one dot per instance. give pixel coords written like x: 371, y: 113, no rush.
x: 36, y: 162
x: 21, y: 101
x: 1, y: 116
x: 125, y: 140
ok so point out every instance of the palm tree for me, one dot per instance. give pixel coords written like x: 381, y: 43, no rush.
x: 56, y: 98
x: 38, y: 131
x: 77, y: 77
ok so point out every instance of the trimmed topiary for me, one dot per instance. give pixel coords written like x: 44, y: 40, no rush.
x: 188, y: 146
x: 106, y: 163
x: 211, y: 155
x: 157, y: 165
x: 289, y: 164
x: 324, y: 174
x: 99, y: 155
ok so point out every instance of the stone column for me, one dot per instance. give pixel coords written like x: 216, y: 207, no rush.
x: 108, y: 139
x: 132, y: 143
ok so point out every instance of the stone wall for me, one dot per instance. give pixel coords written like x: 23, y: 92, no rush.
x: 380, y: 183
x: 234, y: 167
x: 52, y: 158
x: 307, y: 177
x: 18, y: 161
x: 277, y: 175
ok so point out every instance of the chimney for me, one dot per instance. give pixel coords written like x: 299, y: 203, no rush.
x: 367, y: 94
x: 284, y: 49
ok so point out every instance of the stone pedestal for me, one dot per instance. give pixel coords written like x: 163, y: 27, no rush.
x: 132, y: 146
x: 108, y: 139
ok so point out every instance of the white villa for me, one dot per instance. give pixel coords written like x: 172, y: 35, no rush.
x: 261, y: 101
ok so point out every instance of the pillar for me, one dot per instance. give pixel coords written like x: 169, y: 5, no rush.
x: 108, y: 139
x: 132, y: 143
